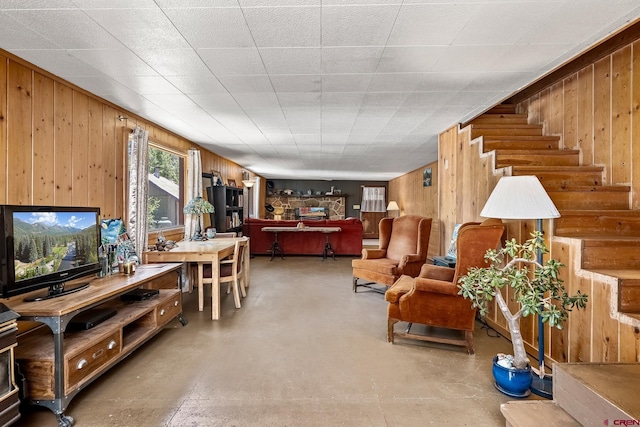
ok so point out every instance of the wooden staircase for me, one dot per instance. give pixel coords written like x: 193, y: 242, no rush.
x: 599, y: 218
x: 599, y: 215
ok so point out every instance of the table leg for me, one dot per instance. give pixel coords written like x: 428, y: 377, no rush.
x: 215, y: 288
x: 275, y: 246
x: 328, y: 250
x: 200, y: 288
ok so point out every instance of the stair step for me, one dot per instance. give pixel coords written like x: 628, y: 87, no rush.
x: 598, y: 394
x: 506, y: 158
x: 592, y: 223
x: 478, y: 130
x: 501, y: 118
x: 562, y: 176
x: 590, y: 197
x: 614, y: 253
x: 503, y: 109
x: 629, y: 296
x: 535, y: 413
x: 523, y: 142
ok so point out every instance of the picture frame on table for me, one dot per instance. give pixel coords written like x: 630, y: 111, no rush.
x: 231, y: 183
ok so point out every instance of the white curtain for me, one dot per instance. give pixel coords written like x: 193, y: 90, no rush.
x: 373, y: 199
x: 194, y: 188
x: 138, y: 148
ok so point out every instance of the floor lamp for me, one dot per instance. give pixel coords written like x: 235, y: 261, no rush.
x: 524, y: 197
x: 248, y: 183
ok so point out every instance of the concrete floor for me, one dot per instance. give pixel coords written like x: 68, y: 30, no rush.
x: 303, y: 350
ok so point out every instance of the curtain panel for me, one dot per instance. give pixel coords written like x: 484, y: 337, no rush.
x: 373, y: 199
x: 194, y: 189
x: 138, y: 149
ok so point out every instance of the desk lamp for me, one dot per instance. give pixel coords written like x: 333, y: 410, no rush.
x: 198, y: 206
x: 524, y: 197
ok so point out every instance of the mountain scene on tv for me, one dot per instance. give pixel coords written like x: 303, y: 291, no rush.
x: 46, y: 242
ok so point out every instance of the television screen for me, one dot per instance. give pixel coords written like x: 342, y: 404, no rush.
x: 47, y: 246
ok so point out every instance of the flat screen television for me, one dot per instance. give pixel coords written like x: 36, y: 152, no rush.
x: 47, y: 246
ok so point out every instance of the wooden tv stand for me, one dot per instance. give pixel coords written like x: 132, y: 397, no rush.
x: 58, y: 364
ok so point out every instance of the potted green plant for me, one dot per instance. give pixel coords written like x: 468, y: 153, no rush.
x: 537, y: 289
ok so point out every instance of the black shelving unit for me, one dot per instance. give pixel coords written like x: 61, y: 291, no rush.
x: 229, y: 204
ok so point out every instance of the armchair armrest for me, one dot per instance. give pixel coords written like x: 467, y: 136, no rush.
x: 373, y: 253
x: 437, y: 272
x: 436, y: 286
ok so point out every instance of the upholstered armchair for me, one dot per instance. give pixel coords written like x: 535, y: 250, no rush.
x: 432, y: 298
x: 402, y: 250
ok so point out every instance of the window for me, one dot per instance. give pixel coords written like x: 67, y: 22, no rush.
x: 166, y: 189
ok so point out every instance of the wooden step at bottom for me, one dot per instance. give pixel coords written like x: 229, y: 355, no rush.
x: 614, y: 253
x: 562, y: 176
x: 536, y: 413
x: 590, y: 197
x: 592, y: 223
x: 506, y: 158
x: 598, y: 394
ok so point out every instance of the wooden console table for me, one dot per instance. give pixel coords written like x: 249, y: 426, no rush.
x: 275, y: 246
x: 58, y: 364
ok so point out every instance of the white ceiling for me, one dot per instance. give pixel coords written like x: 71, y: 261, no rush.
x: 308, y: 89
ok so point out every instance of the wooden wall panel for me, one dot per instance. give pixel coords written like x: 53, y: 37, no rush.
x: 569, y: 113
x: 19, y: 149
x: 43, y: 141
x: 585, y: 115
x: 95, y: 174
x: 605, y: 327
x: 415, y: 199
x: 3, y: 127
x: 635, y: 132
x: 80, y: 166
x: 64, y: 152
x: 602, y: 116
x: 621, y: 116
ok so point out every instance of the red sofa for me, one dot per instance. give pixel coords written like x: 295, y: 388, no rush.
x: 345, y: 242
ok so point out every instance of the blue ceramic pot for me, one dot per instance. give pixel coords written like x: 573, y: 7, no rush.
x: 511, y: 381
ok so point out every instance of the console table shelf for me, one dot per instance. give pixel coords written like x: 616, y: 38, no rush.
x: 57, y: 364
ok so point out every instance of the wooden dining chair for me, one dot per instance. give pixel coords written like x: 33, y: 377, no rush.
x: 231, y: 271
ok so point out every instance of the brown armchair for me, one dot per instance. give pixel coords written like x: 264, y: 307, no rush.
x: 402, y: 250
x: 432, y: 298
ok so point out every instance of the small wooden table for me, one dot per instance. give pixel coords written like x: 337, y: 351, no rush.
x: 199, y: 251
x: 275, y: 246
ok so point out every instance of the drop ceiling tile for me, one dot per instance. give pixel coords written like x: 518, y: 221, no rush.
x: 480, y: 58
x: 284, y: 26
x: 148, y: 85
x: 303, y: 83
x: 65, y: 28
x: 212, y: 27
x: 191, y: 4
x: 291, y: 60
x: 233, y: 61
x: 345, y: 82
x: 114, y: 62
x: 217, y: 103
x: 272, y: 3
x: 173, y: 103
x: 430, y: 24
x: 257, y: 101
x: 149, y: 30
x: 409, y: 59
x: 299, y: 100
x: 37, y: 4
x: 394, y: 82
x: 197, y: 84
x: 17, y: 36
x: 173, y: 62
x: 357, y: 25
x: 342, y: 99
x: 339, y: 60
x: 58, y: 62
x: 246, y: 84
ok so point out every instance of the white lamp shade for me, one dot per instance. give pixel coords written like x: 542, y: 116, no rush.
x: 519, y: 197
x: 248, y: 182
x: 393, y: 206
